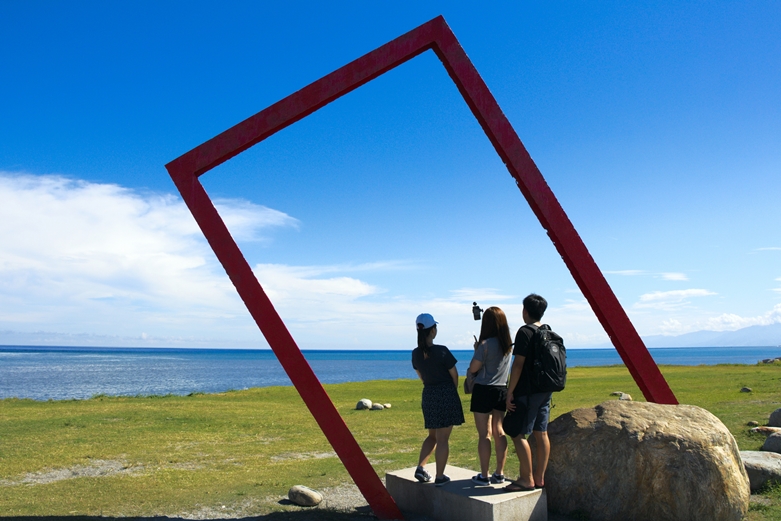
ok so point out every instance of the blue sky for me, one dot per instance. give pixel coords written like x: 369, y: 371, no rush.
x: 656, y: 124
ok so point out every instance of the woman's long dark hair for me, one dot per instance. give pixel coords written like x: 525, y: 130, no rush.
x: 495, y: 325
x: 422, y: 337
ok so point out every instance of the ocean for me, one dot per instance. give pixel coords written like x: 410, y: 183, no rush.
x: 62, y: 373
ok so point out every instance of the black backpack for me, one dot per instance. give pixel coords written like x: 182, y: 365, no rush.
x: 549, y: 372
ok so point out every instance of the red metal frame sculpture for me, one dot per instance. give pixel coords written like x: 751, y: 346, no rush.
x: 434, y: 35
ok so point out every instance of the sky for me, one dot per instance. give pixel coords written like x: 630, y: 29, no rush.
x: 656, y: 124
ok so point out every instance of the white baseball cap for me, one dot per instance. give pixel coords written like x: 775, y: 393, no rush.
x: 425, y: 320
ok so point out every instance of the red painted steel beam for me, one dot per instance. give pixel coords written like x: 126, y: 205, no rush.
x: 435, y: 35
x: 551, y: 215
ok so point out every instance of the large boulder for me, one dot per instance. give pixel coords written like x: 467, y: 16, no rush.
x: 762, y: 467
x: 644, y: 461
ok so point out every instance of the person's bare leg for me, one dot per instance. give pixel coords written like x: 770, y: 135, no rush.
x: 429, y: 444
x: 543, y: 454
x: 442, y: 449
x: 525, y: 478
x: 483, y: 424
x: 500, y: 441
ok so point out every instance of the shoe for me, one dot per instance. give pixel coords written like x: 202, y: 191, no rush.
x: 441, y: 481
x: 516, y: 487
x: 480, y: 480
x: 497, y: 478
x: 421, y: 475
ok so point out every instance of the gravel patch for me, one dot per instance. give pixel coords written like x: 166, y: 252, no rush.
x: 96, y: 469
x: 302, y: 455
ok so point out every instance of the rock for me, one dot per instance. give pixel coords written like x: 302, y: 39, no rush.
x: 767, y: 431
x: 645, y: 461
x: 304, y: 496
x: 775, y: 418
x: 616, y: 393
x: 363, y: 404
x: 625, y: 397
x: 752, y: 423
x: 377, y: 407
x: 386, y: 405
x: 773, y: 443
x: 746, y: 389
x: 762, y: 467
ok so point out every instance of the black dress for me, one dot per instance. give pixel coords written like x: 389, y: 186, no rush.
x: 440, y: 401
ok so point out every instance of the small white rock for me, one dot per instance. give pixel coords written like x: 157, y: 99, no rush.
x: 304, y: 496
x: 377, y: 407
x: 386, y: 405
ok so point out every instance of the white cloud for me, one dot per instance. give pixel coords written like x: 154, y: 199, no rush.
x: 722, y: 322
x: 771, y: 248
x: 480, y: 295
x: 670, y: 300
x: 293, y: 283
x: 675, y: 295
x: 80, y: 256
x: 246, y: 220
x: 674, y: 276
x: 98, y: 264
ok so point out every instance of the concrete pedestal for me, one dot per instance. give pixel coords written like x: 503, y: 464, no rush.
x: 462, y: 500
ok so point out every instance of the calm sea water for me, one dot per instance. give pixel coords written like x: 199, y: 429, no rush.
x: 58, y: 373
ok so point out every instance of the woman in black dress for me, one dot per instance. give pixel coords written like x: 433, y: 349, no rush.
x: 436, y: 367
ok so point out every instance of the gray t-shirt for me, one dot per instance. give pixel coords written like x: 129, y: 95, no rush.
x: 496, y: 366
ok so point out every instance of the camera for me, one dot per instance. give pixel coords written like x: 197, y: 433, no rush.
x: 476, y: 310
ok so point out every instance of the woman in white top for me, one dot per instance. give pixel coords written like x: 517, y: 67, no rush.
x: 491, y: 365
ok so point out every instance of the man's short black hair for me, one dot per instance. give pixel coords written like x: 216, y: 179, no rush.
x: 535, y: 306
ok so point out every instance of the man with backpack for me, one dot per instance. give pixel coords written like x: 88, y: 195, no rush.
x: 539, y: 368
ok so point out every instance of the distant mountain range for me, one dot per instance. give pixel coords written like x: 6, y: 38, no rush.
x: 748, y: 336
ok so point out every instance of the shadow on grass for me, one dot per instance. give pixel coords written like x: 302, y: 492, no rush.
x: 306, y: 515
x: 314, y: 514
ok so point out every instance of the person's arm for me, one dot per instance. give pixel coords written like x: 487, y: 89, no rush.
x: 419, y: 375
x: 515, y: 375
x: 454, y: 374
x: 474, y: 366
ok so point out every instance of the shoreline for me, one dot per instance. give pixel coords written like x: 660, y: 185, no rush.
x: 369, y: 382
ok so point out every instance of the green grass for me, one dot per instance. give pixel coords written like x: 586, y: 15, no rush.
x: 244, y: 450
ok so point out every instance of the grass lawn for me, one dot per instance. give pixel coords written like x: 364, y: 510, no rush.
x: 237, y: 453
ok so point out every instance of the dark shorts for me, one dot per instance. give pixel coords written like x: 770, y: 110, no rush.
x: 441, y: 406
x: 531, y: 414
x: 487, y: 398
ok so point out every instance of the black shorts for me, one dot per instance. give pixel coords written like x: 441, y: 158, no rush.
x: 487, y: 398
x: 531, y: 413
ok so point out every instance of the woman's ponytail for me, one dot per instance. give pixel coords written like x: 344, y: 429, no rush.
x: 423, y: 334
